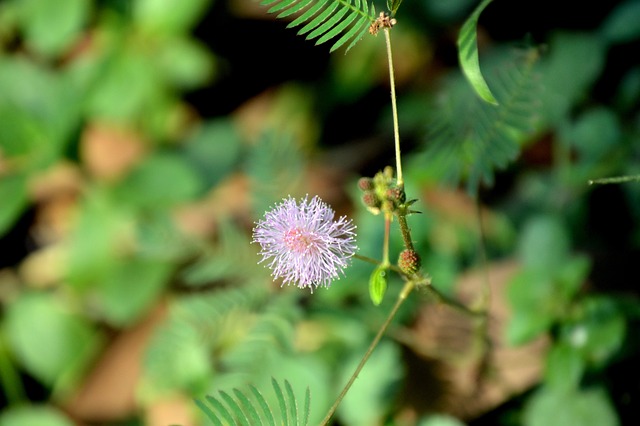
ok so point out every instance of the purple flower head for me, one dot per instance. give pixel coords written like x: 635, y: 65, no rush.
x: 303, y: 244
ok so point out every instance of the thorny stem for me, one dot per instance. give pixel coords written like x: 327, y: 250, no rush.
x: 394, y: 108
x: 406, y: 290
x: 406, y: 232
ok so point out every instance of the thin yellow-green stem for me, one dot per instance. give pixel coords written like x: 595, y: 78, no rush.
x: 385, y: 245
x: 406, y: 290
x: 394, y: 108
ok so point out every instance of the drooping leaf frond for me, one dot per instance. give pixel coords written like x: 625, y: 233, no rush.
x: 467, y: 138
x: 252, y: 408
x: 325, y: 20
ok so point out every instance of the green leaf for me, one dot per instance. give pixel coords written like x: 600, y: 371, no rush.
x: 51, y: 26
x: 293, y: 406
x: 467, y: 138
x: 281, y: 402
x: 264, y: 406
x: 235, y: 409
x: 533, y: 302
x: 378, y: 285
x: 33, y: 415
x: 247, y: 407
x: 14, y: 196
x: 213, y: 149
x: 621, y: 25
x: 327, y: 18
x: 162, y: 180
x: 599, y: 331
x: 393, y: 6
x: 222, y: 410
x: 572, y: 65
x: 544, y: 245
x: 549, y: 406
x: 468, y: 55
x: 440, y: 420
x: 184, y: 62
x: 37, y: 322
x: 169, y: 16
x: 594, y: 134
x: 564, y: 367
x: 100, y: 229
x: 211, y: 415
x: 306, y: 410
x: 130, y: 288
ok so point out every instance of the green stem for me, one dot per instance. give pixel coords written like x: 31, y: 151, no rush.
x: 385, y: 244
x: 406, y: 290
x: 394, y: 107
x: 617, y: 179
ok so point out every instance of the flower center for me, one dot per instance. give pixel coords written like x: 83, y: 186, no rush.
x: 298, y: 240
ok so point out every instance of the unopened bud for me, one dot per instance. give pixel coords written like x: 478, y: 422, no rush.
x: 365, y: 184
x: 370, y: 199
x: 396, y: 195
x: 409, y: 261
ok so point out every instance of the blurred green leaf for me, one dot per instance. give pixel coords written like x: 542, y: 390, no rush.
x: 184, y: 62
x: 54, y: 344
x: 533, y: 301
x: 162, y: 180
x: 101, y: 234
x: 169, y: 16
x: 468, y: 55
x: 549, y: 406
x: 440, y: 420
x: 52, y: 26
x: 595, y: 133
x: 130, y: 72
x: 177, y: 358
x: 33, y: 415
x: 130, y: 288
x: 621, y: 25
x: 573, y: 63
x: 13, y: 193
x: 544, y: 244
x: 571, y: 276
x: 599, y: 331
x: 564, y: 367
x: 214, y: 149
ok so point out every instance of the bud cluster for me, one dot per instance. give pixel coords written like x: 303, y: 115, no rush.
x: 381, y: 193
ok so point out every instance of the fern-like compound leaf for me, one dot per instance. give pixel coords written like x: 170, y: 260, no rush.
x: 221, y: 410
x: 306, y: 410
x: 251, y: 408
x: 264, y: 406
x: 235, y: 408
x: 324, y: 20
x: 247, y: 407
x: 293, y: 406
x: 281, y: 402
x: 469, y: 138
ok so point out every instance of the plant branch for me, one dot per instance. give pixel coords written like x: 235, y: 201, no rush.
x: 394, y: 107
x: 406, y: 290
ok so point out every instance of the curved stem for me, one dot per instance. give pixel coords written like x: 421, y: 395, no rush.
x: 406, y: 290
x: 394, y: 107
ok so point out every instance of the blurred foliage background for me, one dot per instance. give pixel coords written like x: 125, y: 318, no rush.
x: 140, y: 140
